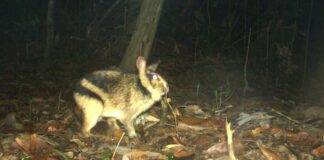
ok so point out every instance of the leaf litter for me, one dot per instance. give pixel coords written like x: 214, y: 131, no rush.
x: 43, y: 126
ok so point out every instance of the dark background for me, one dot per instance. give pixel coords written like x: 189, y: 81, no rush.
x: 200, y: 43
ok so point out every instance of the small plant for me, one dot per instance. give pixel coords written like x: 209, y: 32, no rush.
x: 222, y: 94
x: 107, y: 155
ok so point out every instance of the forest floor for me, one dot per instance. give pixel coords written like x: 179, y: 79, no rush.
x: 37, y: 120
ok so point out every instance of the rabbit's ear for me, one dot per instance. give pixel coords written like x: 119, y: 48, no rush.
x: 152, y: 68
x: 141, y: 64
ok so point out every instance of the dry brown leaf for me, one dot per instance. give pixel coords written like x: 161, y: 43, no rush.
x: 292, y: 157
x: 182, y: 153
x: 190, y: 120
x: 69, y: 154
x: 300, y: 138
x: 33, y: 143
x: 34, y: 147
x: 271, y: 155
x: 143, y: 155
x: 149, y: 121
x: 319, y: 151
x: 268, y: 153
x: 283, y: 149
x: 51, y: 129
x: 9, y: 157
x: 214, y: 123
x: 304, y: 138
x: 306, y: 156
x: 199, y: 124
x: 280, y: 132
x: 23, y: 146
x: 194, y: 109
x: 203, y: 140
x: 257, y: 132
x: 220, y: 149
x: 151, y: 118
x: 184, y: 126
x: 176, y: 140
x: 177, y: 150
x: 118, y: 133
x: 163, y: 130
x: 78, y: 142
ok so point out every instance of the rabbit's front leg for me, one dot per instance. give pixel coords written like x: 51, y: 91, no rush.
x: 129, y: 125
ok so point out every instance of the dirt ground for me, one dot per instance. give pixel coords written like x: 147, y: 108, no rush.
x: 37, y: 120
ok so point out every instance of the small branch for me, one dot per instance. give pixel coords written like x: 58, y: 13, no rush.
x: 230, y: 147
x: 267, y: 54
x: 59, y: 100
x: 113, y: 156
x: 208, y: 13
x: 93, y: 25
x: 167, y: 101
x: 125, y: 17
x: 108, y: 12
x: 307, y: 44
x: 287, y: 117
x: 246, y: 83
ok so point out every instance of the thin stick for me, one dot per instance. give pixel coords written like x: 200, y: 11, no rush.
x: 267, y: 54
x: 307, y: 43
x: 230, y: 147
x: 59, y: 100
x: 108, y: 11
x: 281, y: 114
x: 245, y: 22
x: 208, y: 13
x: 112, y: 157
x: 246, y: 83
x: 174, y: 116
x: 125, y: 17
x: 94, y: 24
x: 245, y: 36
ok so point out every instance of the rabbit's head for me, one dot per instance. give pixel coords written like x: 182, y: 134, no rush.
x: 151, y: 80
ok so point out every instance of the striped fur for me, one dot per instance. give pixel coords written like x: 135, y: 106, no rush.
x: 118, y: 96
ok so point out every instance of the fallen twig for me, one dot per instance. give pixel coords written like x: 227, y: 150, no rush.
x: 281, y: 114
x: 230, y: 147
x: 112, y: 157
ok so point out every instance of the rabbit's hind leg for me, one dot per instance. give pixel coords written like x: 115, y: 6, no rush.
x: 112, y: 122
x: 91, y: 114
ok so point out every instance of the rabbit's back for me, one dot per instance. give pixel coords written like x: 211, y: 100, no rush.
x: 122, y: 89
x: 118, y: 95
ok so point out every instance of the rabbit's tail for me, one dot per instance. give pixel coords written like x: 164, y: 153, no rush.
x: 95, y: 89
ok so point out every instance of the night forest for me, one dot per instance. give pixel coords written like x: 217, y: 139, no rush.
x: 197, y: 79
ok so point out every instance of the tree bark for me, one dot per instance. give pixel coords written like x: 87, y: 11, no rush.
x: 132, y: 12
x: 50, y: 34
x: 143, y: 36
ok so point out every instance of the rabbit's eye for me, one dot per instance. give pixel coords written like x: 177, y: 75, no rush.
x: 154, y: 77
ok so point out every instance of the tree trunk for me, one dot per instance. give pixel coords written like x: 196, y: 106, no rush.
x: 143, y: 36
x: 50, y: 34
x: 132, y: 12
